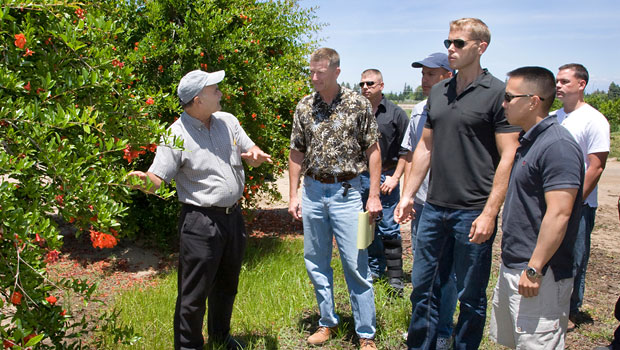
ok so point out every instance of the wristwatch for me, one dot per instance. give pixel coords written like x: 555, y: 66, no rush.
x: 532, y: 273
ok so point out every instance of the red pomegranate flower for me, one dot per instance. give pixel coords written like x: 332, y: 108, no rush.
x: 51, y: 299
x: 16, y: 298
x: 20, y: 40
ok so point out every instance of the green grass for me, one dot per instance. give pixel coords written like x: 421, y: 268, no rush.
x: 275, y: 307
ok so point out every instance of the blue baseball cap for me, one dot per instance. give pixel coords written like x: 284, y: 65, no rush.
x: 434, y: 60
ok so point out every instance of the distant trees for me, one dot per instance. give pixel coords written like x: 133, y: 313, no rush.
x: 614, y: 91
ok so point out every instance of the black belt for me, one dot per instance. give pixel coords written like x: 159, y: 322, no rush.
x: 331, y: 179
x: 219, y: 210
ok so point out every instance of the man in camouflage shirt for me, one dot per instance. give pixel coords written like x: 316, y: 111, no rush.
x: 334, y: 136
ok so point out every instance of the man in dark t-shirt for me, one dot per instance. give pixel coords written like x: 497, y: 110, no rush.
x: 539, y: 223
x: 472, y: 147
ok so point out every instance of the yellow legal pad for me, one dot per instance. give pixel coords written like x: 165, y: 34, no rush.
x: 365, y: 231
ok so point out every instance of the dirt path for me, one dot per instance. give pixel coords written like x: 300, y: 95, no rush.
x: 606, y: 234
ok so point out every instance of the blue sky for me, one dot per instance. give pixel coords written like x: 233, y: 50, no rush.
x: 389, y: 35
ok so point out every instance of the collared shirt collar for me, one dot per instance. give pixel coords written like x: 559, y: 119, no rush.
x: 318, y: 99
x: 530, y: 135
x: 484, y: 80
x: 381, y: 108
x: 196, y: 123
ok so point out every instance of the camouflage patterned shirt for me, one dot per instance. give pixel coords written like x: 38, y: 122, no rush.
x: 334, y: 137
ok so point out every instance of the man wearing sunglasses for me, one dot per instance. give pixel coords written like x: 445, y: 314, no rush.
x: 435, y: 68
x: 539, y: 223
x: 591, y: 130
x: 472, y: 147
x: 386, y: 250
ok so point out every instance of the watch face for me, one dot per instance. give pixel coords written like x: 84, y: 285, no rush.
x: 531, y: 272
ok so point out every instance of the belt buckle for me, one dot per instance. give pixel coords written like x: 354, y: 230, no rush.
x: 230, y: 209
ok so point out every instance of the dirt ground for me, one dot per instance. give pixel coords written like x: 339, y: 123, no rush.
x: 130, y: 264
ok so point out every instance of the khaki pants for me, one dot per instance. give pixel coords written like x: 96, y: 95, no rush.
x: 530, y: 323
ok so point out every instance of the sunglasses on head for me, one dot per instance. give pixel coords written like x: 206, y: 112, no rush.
x: 509, y: 97
x: 458, y: 43
x: 367, y: 83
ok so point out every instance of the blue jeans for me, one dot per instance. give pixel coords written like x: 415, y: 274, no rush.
x: 443, y: 238
x: 582, y: 255
x: 387, y: 228
x: 447, y: 304
x: 326, y: 214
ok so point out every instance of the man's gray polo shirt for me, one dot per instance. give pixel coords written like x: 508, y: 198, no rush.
x: 208, y: 169
x: 464, y: 154
x: 547, y: 159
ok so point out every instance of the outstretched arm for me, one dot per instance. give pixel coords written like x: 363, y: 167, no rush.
x: 146, y: 177
x: 255, y: 157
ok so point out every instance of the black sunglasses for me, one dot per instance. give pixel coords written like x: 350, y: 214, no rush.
x: 458, y: 43
x: 509, y: 97
x: 367, y: 83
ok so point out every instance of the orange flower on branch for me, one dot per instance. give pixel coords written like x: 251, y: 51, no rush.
x: 51, y: 257
x: 102, y: 240
x: 20, y: 40
x: 28, y: 53
x: 51, y: 299
x: 150, y: 101
x: 131, y: 154
x: 27, y: 87
x: 16, y: 298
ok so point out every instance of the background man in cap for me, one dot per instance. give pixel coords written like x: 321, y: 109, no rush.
x: 472, y: 147
x: 591, y: 130
x: 386, y: 250
x: 435, y: 68
x: 539, y: 222
x: 209, y: 179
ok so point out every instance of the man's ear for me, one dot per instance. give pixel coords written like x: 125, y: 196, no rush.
x: 482, y: 47
x: 582, y: 85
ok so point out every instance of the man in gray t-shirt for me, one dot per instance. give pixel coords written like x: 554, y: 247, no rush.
x: 210, y: 179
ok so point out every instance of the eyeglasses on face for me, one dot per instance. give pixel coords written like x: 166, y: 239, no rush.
x: 509, y: 97
x: 367, y: 83
x: 458, y: 43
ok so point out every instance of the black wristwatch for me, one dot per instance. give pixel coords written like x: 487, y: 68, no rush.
x: 532, y: 273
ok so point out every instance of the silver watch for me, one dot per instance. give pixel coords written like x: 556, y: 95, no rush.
x: 532, y: 273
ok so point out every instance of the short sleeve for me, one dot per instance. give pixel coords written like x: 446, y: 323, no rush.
x: 562, y: 166
x: 167, y: 162
x: 298, y: 141
x: 369, y: 132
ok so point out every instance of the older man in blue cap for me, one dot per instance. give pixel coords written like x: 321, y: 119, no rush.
x: 435, y: 68
x: 209, y: 181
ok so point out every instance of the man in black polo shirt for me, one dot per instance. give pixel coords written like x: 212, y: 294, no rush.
x: 386, y: 250
x: 472, y: 148
x: 539, y: 224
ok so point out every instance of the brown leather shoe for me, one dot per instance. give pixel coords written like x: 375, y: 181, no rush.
x: 367, y: 344
x: 321, y: 335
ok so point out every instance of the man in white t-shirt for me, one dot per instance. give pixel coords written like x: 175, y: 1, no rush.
x: 591, y: 131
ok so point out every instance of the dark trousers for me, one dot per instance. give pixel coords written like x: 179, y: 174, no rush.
x: 211, y: 251
x: 615, y: 344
